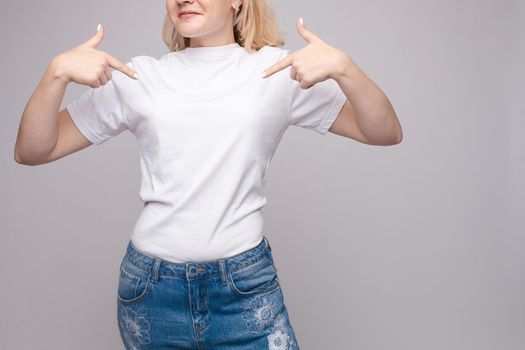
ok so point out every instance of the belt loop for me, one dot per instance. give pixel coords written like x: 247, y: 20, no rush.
x: 155, y: 270
x: 222, y: 270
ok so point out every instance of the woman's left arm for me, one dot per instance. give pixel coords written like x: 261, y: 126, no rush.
x: 368, y: 115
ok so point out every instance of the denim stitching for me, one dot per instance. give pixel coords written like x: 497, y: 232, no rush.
x: 280, y: 339
x: 136, y: 258
x: 259, y: 312
x: 135, y: 327
x: 138, y: 297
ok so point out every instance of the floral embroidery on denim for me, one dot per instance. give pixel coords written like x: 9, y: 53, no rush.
x: 136, y: 327
x: 259, y: 312
x: 279, y: 339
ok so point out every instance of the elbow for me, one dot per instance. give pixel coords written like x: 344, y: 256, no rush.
x: 17, y: 157
x: 391, y: 136
x: 397, y: 131
x: 395, y: 141
x: 25, y: 161
x: 20, y: 160
x: 387, y: 141
x: 398, y: 136
x: 398, y: 139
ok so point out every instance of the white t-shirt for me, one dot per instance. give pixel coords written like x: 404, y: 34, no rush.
x: 207, y: 126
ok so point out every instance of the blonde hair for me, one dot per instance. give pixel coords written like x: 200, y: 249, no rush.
x: 254, y: 27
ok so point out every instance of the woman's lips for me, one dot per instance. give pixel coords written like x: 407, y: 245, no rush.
x: 188, y: 15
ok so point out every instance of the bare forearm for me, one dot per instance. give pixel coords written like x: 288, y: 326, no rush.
x: 37, y: 133
x: 374, y: 112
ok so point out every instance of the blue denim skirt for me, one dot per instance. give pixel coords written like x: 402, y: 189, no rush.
x: 231, y: 303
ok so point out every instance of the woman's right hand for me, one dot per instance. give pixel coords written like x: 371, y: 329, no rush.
x: 88, y: 66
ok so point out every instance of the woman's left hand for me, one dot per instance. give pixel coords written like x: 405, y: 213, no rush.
x: 315, y: 62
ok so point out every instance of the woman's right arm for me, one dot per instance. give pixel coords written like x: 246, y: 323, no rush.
x: 45, y: 133
x: 39, y: 126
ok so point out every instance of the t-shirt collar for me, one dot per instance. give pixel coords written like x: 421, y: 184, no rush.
x: 211, y: 51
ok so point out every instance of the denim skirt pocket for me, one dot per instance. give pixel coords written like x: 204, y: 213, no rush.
x: 134, y: 283
x: 257, y: 278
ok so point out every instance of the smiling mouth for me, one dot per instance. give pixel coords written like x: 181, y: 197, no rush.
x: 191, y: 14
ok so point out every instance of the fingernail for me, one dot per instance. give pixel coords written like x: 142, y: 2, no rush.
x: 263, y: 74
x: 301, y: 20
x: 98, y: 28
x: 136, y: 75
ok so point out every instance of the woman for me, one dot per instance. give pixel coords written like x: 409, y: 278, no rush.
x: 198, y: 271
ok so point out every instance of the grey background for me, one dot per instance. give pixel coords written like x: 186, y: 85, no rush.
x: 413, y: 246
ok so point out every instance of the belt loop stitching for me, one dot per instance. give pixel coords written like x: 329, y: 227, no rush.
x: 156, y: 268
x: 222, y: 270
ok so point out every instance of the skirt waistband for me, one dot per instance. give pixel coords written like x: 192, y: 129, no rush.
x: 192, y: 270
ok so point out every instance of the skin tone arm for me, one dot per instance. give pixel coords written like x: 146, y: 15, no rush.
x: 45, y: 134
x: 367, y: 108
x: 37, y: 133
x: 367, y: 116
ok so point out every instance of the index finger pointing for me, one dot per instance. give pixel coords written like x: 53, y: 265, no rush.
x: 282, y: 64
x: 115, y: 63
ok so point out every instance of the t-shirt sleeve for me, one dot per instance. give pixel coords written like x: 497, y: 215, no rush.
x: 317, y: 107
x: 101, y: 113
